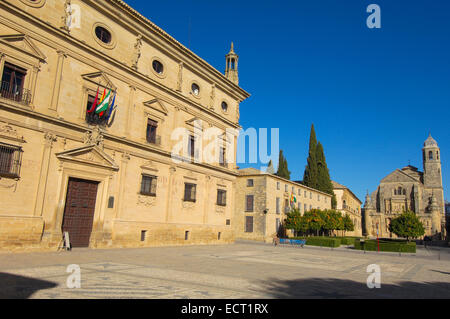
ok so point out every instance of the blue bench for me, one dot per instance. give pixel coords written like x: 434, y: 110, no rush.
x: 291, y: 242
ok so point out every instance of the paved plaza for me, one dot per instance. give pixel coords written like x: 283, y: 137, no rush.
x: 242, y: 270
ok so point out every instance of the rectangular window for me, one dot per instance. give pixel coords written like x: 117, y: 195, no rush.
x: 318, y: 198
x: 148, y: 185
x: 12, y: 85
x: 222, y: 157
x: 305, y: 208
x: 143, y: 235
x: 10, y: 160
x: 221, y: 197
x: 299, y: 192
x: 286, y: 206
x: 299, y: 207
x: 278, y: 185
x: 278, y: 205
x: 189, y: 192
x: 249, y: 203
x: 286, y: 188
x: 249, y: 224
x: 305, y: 194
x: 151, y: 131
x: 249, y: 182
x: 278, y: 224
x: 293, y: 190
x: 310, y: 195
x: 191, y: 146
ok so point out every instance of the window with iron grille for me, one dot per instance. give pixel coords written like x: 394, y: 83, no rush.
x: 189, y: 192
x: 221, y: 197
x: 249, y: 182
x: 10, y: 160
x: 249, y: 203
x: 148, y: 185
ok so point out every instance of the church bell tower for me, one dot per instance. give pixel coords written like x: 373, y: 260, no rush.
x: 432, y: 177
x: 231, y: 69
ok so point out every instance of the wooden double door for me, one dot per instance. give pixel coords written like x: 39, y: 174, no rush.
x: 79, y: 211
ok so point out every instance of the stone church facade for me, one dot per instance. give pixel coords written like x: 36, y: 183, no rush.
x: 409, y: 189
x: 113, y: 183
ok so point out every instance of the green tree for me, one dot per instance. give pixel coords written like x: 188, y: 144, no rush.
x: 310, y: 176
x: 407, y: 225
x: 323, y: 175
x: 283, y: 167
x: 295, y: 220
x: 315, y: 220
x: 348, y: 224
x: 270, y: 169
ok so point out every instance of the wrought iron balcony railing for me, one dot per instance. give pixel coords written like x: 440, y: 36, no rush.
x: 15, y: 93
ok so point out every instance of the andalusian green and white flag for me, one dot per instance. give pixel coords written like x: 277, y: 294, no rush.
x: 103, y: 105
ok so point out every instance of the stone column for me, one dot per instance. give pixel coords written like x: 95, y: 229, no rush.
x: 57, y: 82
x: 170, y: 199
x: 43, y: 176
x: 2, y: 62
x: 33, y: 84
x: 122, y: 182
x: 205, y: 204
x: 130, y: 111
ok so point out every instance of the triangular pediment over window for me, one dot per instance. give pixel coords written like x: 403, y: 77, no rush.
x: 156, y: 105
x: 100, y: 79
x: 24, y: 44
x: 90, y: 155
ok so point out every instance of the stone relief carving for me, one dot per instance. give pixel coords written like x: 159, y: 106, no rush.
x: 180, y: 77
x: 212, y: 97
x: 8, y: 130
x: 137, y: 52
x: 188, y: 205
x: 49, y: 139
x: 146, y: 200
x: 65, y: 19
x: 94, y: 137
x: 8, y: 184
x: 220, y: 209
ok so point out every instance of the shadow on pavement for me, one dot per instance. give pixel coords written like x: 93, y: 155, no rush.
x: 329, y: 288
x: 18, y: 287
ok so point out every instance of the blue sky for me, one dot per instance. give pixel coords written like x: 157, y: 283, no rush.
x: 373, y: 95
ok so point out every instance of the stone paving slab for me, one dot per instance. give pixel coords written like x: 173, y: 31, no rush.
x: 242, y: 270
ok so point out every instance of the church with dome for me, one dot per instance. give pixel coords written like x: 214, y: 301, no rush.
x: 409, y: 189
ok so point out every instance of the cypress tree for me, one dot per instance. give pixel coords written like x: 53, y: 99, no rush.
x: 270, y: 169
x: 310, y: 176
x: 283, y: 167
x: 323, y: 177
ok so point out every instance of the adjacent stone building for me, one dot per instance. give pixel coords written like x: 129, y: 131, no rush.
x: 113, y: 182
x: 262, y: 201
x: 409, y: 189
x: 348, y: 204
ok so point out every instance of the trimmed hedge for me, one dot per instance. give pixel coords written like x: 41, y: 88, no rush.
x: 322, y: 241
x: 391, y: 245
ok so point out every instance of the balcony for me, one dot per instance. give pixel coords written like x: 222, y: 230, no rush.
x: 16, y: 94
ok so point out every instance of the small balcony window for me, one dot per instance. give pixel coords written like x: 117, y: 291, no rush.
x: 12, y: 85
